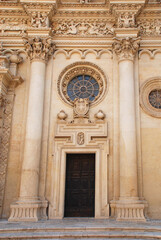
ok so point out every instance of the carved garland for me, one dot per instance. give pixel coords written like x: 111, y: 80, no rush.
x: 147, y: 87
x: 80, y: 68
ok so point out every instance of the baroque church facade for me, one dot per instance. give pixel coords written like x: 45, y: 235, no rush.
x: 80, y: 109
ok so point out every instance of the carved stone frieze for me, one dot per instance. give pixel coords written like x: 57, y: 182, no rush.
x: 149, y: 27
x: 39, y: 48
x: 82, y: 28
x: 126, y: 48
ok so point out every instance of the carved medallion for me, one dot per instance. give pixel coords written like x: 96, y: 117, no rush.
x: 80, y: 138
x: 81, y: 107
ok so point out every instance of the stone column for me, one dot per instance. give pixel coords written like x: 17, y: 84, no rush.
x: 29, y: 207
x: 129, y: 207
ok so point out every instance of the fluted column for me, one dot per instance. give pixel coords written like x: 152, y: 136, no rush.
x: 29, y: 207
x: 128, y: 207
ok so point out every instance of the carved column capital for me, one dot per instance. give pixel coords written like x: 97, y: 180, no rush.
x: 39, y: 48
x: 126, y: 48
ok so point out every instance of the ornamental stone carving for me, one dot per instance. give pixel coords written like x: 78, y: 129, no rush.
x: 126, y: 48
x: 39, y: 20
x: 81, y: 108
x: 81, y: 68
x: 150, y: 27
x: 82, y: 28
x: 4, y: 143
x: 39, y: 48
x: 126, y: 20
x: 80, y: 138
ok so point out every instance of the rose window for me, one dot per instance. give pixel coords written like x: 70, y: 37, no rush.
x: 83, y: 86
x: 155, y: 98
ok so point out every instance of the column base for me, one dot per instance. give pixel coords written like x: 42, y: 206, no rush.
x: 126, y: 210
x: 28, y: 211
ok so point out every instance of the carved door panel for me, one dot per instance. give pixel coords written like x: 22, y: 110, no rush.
x: 80, y: 185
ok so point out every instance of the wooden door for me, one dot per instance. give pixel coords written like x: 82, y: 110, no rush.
x: 80, y: 185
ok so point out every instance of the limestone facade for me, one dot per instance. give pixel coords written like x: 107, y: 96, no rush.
x: 45, y: 45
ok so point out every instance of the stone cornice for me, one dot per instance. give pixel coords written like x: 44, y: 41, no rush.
x: 126, y: 12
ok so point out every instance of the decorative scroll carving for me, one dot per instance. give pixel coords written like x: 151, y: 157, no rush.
x: 39, y: 48
x: 126, y: 48
x: 150, y: 27
x: 94, y: 28
x: 80, y: 138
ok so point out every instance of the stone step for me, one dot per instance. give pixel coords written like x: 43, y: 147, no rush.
x: 80, y: 235
x: 80, y: 229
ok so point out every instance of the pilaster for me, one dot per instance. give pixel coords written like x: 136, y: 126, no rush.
x: 29, y: 206
x: 128, y: 207
x: 8, y: 83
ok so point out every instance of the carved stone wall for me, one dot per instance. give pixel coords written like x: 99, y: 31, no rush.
x: 5, y: 141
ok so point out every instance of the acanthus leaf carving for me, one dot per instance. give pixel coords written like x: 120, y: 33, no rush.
x: 126, y: 48
x: 39, y: 48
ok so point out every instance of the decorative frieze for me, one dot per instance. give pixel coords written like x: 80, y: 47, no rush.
x: 150, y: 27
x: 39, y: 48
x: 82, y: 28
x: 126, y: 48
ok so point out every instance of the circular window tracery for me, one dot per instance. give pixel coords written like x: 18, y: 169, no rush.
x: 155, y: 98
x: 83, y: 86
x: 82, y: 80
x: 150, y: 97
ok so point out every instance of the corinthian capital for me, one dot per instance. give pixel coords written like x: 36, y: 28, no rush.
x: 126, y: 48
x: 39, y: 48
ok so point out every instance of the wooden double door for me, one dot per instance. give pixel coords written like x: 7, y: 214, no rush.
x: 80, y: 185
